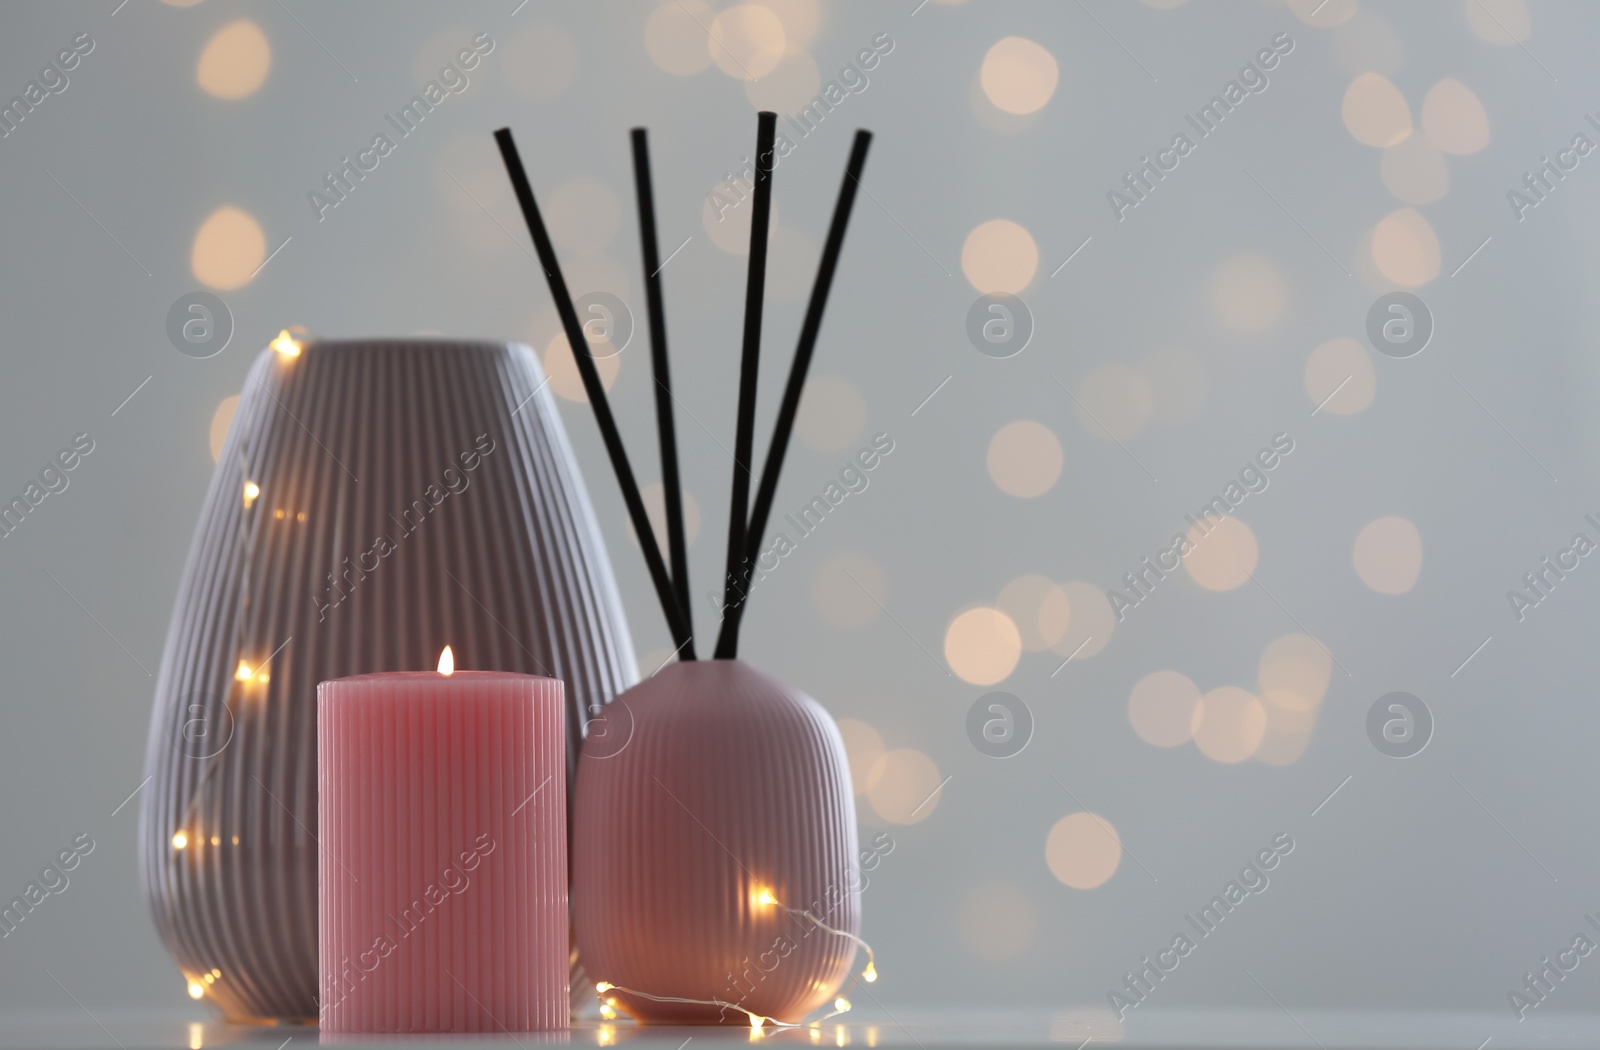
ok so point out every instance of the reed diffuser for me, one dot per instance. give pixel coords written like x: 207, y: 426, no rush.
x: 715, y: 877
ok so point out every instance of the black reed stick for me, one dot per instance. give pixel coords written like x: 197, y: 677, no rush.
x: 676, y: 543
x: 676, y: 620
x: 744, y: 438
x: 797, y: 375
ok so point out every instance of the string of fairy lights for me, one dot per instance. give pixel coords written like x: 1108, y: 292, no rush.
x: 765, y: 898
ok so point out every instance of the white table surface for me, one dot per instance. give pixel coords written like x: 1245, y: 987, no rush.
x: 877, y: 1027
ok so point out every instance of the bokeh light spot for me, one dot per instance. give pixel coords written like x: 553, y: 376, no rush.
x: 1229, y: 723
x: 863, y: 746
x: 235, y: 61
x: 228, y: 249
x: 999, y: 256
x: 565, y: 379
x: 1022, y: 600
x: 1161, y: 708
x: 1076, y: 619
x: 675, y: 36
x: 982, y: 646
x: 1018, y: 75
x: 1024, y: 459
x: 1405, y: 249
x: 1224, y: 553
x: 1294, y: 672
x: 789, y: 88
x: 747, y: 41
x: 654, y: 496
x: 1453, y: 119
x: 1388, y: 555
x: 801, y: 19
x: 905, y: 786
x: 1083, y: 850
x: 832, y: 414
x: 1374, y: 111
x: 1500, y: 22
x: 1339, y: 377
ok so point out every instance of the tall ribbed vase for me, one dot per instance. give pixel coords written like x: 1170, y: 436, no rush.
x: 712, y: 811
x: 374, y: 502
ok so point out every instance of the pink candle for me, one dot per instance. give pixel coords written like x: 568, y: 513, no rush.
x: 443, y: 868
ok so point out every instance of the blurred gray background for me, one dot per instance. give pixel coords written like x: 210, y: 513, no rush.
x: 1229, y: 306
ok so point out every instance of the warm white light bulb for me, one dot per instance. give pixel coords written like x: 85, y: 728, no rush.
x: 285, y: 344
x: 180, y: 840
x: 196, y: 990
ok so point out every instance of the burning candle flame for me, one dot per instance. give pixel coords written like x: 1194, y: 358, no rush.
x: 447, y: 662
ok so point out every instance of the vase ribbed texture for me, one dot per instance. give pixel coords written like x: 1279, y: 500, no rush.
x: 349, y: 442
x: 442, y: 819
x: 728, y: 784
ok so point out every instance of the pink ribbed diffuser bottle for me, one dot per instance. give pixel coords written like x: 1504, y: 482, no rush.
x: 701, y: 834
x: 443, y: 867
x: 714, y: 829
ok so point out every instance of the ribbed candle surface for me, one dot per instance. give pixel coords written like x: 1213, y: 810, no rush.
x: 443, y: 867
